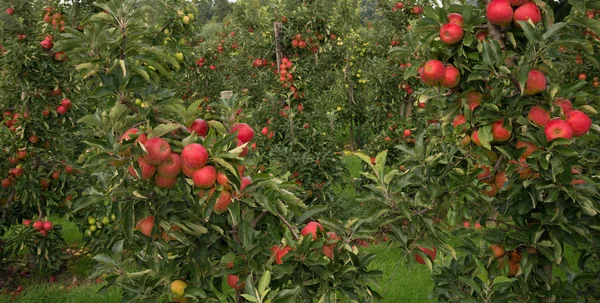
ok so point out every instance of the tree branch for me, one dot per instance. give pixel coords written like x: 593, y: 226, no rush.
x: 289, y: 226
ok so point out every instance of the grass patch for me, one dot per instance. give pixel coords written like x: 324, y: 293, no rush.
x: 51, y: 294
x: 398, y: 283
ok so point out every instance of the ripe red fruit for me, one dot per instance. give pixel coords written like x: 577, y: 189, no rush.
x: 475, y: 138
x: 66, y: 103
x: 22, y: 154
x: 529, y: 148
x: 233, y: 280
x: 499, y: 133
x: 518, y: 2
x: 474, y: 99
x: 33, y: 139
x: 194, y: 156
x: 565, y: 104
x: 466, y: 224
x: 27, y: 222
x: 311, y: 228
x: 580, y: 122
x: 10, y: 11
x: 188, y: 172
x: 13, y: 160
x: 222, y: 204
x: 48, y: 225
x: 170, y: 168
x: 61, y: 110
x: 47, y: 43
x: 481, y: 35
x: 131, y: 131
x: 451, y: 33
x: 223, y: 180
x: 165, y: 182
x: 528, y: 11
x: 455, y: 18
x: 538, y: 116
x: 536, y: 82
x: 200, y: 127
x: 477, y: 225
x: 582, y: 77
x: 245, y: 182
x: 499, y: 12
x: 557, y: 128
x: 265, y: 131
x: 158, y: 150
x: 69, y: 169
x: 46, y: 112
x: 145, y: 226
x: 148, y: 169
x: 433, y: 72
x: 459, y: 120
x: 37, y: 225
x: 56, y: 175
x: 205, y: 177
x: 44, y: 183
x: 451, y: 77
x: 244, y: 131
x: 6, y: 183
x: 429, y: 252
x: 42, y: 232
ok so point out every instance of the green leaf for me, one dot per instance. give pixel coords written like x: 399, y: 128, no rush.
x: 162, y: 129
x: 592, y: 24
x: 311, y: 212
x: 264, y: 282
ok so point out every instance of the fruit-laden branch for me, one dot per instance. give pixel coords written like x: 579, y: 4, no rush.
x: 496, y: 168
x: 165, y: 121
x: 498, y: 35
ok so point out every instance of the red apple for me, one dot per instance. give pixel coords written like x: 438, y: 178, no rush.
x: 37, y: 225
x: 451, y: 33
x: 158, y: 150
x: 245, y: 182
x: 311, y: 228
x: 536, y: 82
x: 188, y: 172
x: 223, y: 180
x: 538, y: 116
x: 6, y: 183
x: 474, y: 99
x: 222, y: 204
x: 475, y: 138
x: 481, y: 35
x: 61, y: 110
x: 499, y: 12
x: 200, y: 127
x: 459, y: 120
x: 527, y: 11
x: 244, y: 131
x: 10, y: 11
x: 27, y: 222
x: 47, y: 43
x: 131, y: 131
x: 66, y: 103
x: 194, y: 156
x: 429, y: 252
x: 48, y: 225
x: 265, y: 131
x: 69, y: 169
x: 529, y: 148
x: 565, y: 105
x: 233, y: 280
x: 433, y: 72
x: 499, y: 133
x: 580, y: 122
x: 145, y: 226
x: 205, y: 177
x: 407, y: 133
x: 148, y: 169
x: 165, y: 182
x: 22, y: 154
x: 466, y: 224
x: 451, y: 77
x: 170, y: 168
x: 455, y: 18
x: 557, y: 128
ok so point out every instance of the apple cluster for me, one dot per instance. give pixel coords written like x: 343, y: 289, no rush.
x: 56, y: 19
x: 500, y: 12
x: 452, y: 32
x: 165, y: 165
x: 286, y: 77
x: 435, y: 73
x: 43, y: 227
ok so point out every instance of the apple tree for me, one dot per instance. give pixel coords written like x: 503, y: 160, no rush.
x: 191, y: 224
x: 508, y: 142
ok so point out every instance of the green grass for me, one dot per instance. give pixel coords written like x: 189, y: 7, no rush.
x: 398, y: 283
x: 51, y: 294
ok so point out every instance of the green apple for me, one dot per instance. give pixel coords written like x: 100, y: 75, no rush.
x: 105, y: 220
x: 185, y: 20
x: 167, y: 31
x: 113, y: 217
x: 192, y: 16
x: 92, y: 220
x: 93, y: 228
x: 138, y: 101
x: 88, y: 232
x: 179, y: 57
x: 182, y: 41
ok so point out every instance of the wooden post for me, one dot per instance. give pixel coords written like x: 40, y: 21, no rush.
x: 226, y: 94
x: 408, y: 107
x: 350, y: 93
x: 278, y: 47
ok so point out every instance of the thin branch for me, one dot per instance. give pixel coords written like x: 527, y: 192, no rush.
x: 289, y: 226
x: 257, y: 219
x: 165, y: 121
